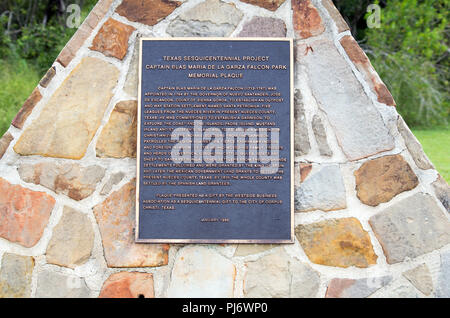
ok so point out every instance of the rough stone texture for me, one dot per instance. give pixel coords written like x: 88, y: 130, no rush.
x: 128, y: 285
x: 15, y: 276
x: 118, y: 137
x: 112, y: 181
x: 271, y: 5
x: 362, y: 63
x: 442, y: 190
x: 420, y: 277
x: 23, y: 213
x: 341, y: 25
x: 116, y: 219
x: 338, y: 242
x: 381, y: 179
x: 73, y: 180
x: 147, y: 12
x: 301, y: 137
x: 264, y: 27
x: 112, y: 39
x: 397, y: 289
x: 413, y: 145
x: 131, y: 83
x: 200, y: 272
x: 4, y: 143
x: 249, y: 249
x: 410, y: 228
x: 27, y: 108
x: 355, y: 288
x: 443, y: 283
x: 48, y: 77
x: 72, y: 240
x: 277, y: 275
x: 83, y: 32
x: 57, y: 285
x: 323, y: 190
x: 321, y: 137
x: 209, y: 18
x: 358, y: 125
x: 70, y: 119
x: 306, y: 19
x: 305, y: 169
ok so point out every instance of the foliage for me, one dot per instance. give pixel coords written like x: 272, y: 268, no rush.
x: 410, y: 52
x: 18, y: 80
x: 36, y: 30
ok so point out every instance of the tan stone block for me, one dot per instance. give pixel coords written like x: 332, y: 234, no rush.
x: 420, y: 277
x: 411, y: 227
x: 277, y: 275
x: 381, y: 179
x: 15, y: 276
x: 73, y: 114
x: 72, y: 240
x: 52, y: 284
x: 116, y: 219
x: 118, y: 138
x: 73, y: 180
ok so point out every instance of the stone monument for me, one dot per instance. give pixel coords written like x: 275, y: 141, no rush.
x: 371, y: 211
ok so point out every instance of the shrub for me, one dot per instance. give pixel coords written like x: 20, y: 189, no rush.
x: 410, y: 52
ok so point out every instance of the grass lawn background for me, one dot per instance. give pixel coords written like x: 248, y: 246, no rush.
x: 436, y: 144
x: 19, y: 79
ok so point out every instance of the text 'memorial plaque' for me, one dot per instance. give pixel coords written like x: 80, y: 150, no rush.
x: 215, y: 141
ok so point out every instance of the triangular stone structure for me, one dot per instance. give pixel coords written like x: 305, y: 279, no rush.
x: 372, y: 213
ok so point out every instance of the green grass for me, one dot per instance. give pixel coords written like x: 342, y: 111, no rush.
x: 18, y: 79
x: 436, y: 144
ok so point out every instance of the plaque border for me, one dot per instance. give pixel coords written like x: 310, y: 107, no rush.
x: 216, y: 241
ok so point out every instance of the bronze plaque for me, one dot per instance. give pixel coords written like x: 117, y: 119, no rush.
x: 215, y: 141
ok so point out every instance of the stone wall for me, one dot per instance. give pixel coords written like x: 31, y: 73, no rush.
x: 371, y: 217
